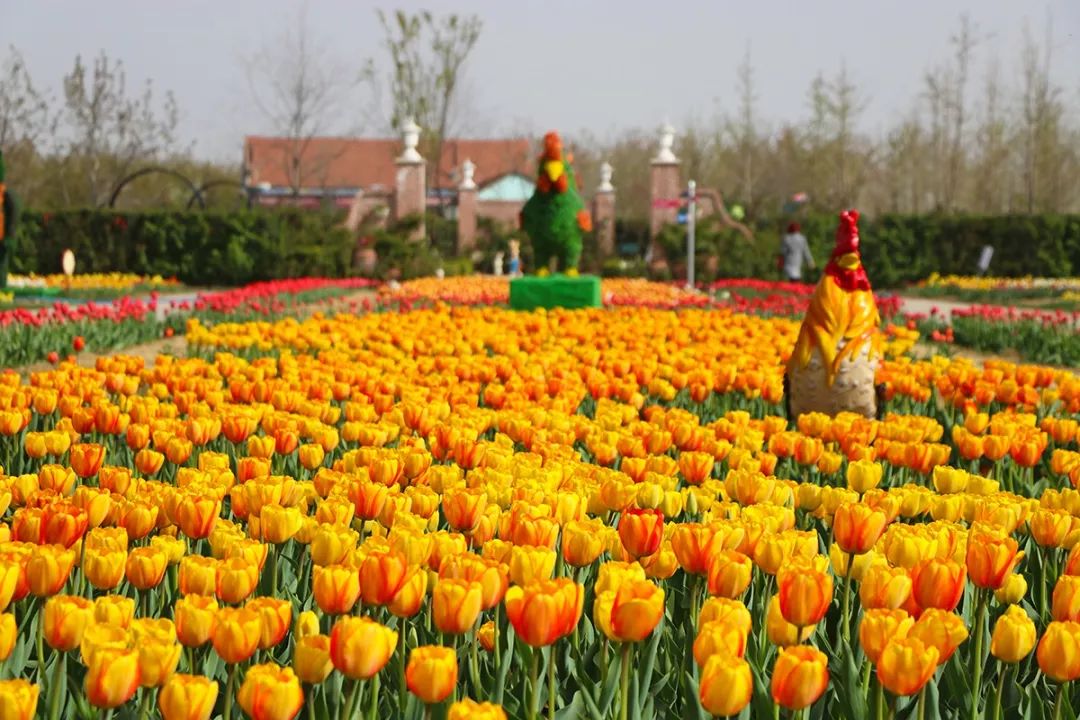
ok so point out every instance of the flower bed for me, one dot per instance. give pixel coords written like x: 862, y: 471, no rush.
x: 31, y: 334
x: 579, y: 514
x: 785, y: 299
x: 999, y: 290
x: 1050, y: 337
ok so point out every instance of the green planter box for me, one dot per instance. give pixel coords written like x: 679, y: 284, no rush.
x: 530, y: 293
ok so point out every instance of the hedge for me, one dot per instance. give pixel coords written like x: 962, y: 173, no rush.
x: 198, y: 248
x: 899, y: 249
x: 229, y: 248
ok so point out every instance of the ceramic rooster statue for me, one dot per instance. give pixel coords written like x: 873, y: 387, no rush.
x: 836, y: 354
x: 555, y: 216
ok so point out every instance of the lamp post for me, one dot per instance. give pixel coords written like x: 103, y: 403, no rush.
x: 691, y: 212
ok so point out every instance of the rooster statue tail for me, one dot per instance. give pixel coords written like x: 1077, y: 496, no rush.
x: 832, y: 366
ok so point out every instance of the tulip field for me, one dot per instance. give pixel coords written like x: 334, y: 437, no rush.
x: 431, y: 506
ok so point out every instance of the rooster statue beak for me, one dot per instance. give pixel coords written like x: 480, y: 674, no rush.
x: 554, y: 169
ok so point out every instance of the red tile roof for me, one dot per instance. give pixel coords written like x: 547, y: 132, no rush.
x: 328, y: 162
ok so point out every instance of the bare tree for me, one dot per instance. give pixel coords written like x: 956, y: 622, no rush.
x: 108, y: 132
x: 24, y: 111
x: 991, y: 158
x: 1041, y: 118
x: 427, y: 55
x: 303, y: 92
x: 26, y: 122
x: 745, y: 133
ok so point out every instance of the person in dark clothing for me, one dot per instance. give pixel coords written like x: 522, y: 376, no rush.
x: 9, y: 212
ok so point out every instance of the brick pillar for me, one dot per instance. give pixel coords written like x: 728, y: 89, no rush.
x: 410, y: 197
x: 466, y: 210
x: 603, y: 212
x: 664, y: 188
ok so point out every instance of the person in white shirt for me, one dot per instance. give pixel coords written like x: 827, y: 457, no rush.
x: 794, y: 251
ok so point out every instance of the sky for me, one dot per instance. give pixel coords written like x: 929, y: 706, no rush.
x: 601, y: 66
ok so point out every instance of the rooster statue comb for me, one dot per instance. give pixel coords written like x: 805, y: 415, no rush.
x: 833, y: 363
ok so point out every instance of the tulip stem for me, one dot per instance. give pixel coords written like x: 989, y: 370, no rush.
x: 58, y: 680
x: 145, y: 703
x: 551, y: 682
x: 1057, y: 702
x: 604, y: 662
x: 1002, y: 670
x: 846, y: 602
x: 230, y: 686
x: 920, y: 712
x: 976, y: 685
x: 350, y: 704
x: 403, y: 691
x: 273, y: 570
x: 495, y: 635
x: 534, y: 697
x: 41, y: 641
x: 474, y: 667
x: 373, y: 708
x: 624, y: 708
x: 879, y: 701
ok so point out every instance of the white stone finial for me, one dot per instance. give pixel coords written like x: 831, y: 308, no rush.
x: 605, y: 178
x: 410, y: 135
x: 667, y: 143
x: 468, y: 169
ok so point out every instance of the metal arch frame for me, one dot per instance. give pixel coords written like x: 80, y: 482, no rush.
x: 199, y: 193
x: 150, y: 171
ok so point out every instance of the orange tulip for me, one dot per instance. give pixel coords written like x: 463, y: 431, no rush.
x: 276, y: 617
x: 940, y: 629
x: 857, y: 527
x: 236, y: 634
x: 146, y: 567
x: 641, y: 531
x: 938, y: 584
x: 726, y: 685
x: 695, y: 545
x: 361, y: 647
x: 455, y: 605
x: 187, y: 697
x: 718, y: 636
x: 800, y: 677
x: 112, y: 677
x: 336, y: 588
x: 48, y: 569
x: 195, y: 616
x: 381, y: 576
x: 66, y: 618
x: 1058, y: 652
x: 271, y: 692
x: 730, y: 573
x: 878, y: 627
x: 805, y: 594
x: 906, y: 665
x: 631, y: 612
x: 431, y: 673
x: 991, y: 556
x: 463, y: 507
x: 86, y: 459
x: 885, y: 587
x: 236, y: 580
x: 544, y: 611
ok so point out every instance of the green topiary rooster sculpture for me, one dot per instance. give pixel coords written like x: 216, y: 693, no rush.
x: 555, y: 216
x: 8, y: 215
